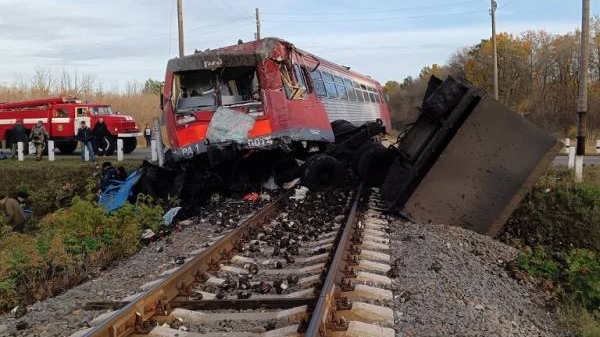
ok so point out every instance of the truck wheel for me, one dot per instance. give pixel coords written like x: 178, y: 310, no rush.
x: 322, y: 172
x: 107, y: 145
x: 66, y: 147
x: 129, y: 144
x: 373, y: 164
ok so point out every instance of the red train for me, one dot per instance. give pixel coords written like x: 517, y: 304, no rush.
x: 222, y: 105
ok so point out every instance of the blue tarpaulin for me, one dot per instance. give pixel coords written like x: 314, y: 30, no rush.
x: 118, y: 191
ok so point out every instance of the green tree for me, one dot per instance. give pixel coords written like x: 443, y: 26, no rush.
x: 152, y: 86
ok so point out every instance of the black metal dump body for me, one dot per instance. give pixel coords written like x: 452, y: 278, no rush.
x: 467, y: 161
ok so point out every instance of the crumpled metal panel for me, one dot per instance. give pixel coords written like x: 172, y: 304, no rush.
x: 483, y: 173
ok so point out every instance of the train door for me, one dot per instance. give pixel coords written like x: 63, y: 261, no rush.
x: 81, y: 114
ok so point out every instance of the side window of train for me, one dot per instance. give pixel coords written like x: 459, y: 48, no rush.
x: 318, y: 84
x: 350, y: 90
x: 359, y: 93
x: 341, y: 88
x: 329, y: 84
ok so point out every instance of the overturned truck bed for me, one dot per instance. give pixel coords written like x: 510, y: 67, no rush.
x: 467, y: 161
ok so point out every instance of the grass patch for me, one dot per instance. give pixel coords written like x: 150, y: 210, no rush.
x: 69, y: 245
x: 52, y: 185
x: 557, y: 227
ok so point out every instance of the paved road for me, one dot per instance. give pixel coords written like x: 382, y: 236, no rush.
x: 588, y: 161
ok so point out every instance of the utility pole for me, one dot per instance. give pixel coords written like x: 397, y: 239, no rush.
x: 257, y: 24
x: 180, y: 26
x: 494, y: 5
x: 583, y: 95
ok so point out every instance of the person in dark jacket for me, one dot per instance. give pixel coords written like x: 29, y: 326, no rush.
x: 17, y: 134
x: 98, y: 133
x: 85, y: 138
x: 108, y: 176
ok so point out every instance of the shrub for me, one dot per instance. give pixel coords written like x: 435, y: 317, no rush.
x: 68, y: 244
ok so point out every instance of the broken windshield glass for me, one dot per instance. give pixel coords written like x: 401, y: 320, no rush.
x: 209, y: 89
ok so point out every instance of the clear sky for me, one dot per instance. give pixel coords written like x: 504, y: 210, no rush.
x: 117, y: 41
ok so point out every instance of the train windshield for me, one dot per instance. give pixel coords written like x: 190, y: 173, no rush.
x: 208, y: 89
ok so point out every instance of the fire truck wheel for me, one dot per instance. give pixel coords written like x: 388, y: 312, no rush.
x: 66, y: 147
x: 129, y: 144
x: 374, y: 164
x: 107, y: 145
x: 322, y: 172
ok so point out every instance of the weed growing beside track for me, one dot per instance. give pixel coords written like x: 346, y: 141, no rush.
x: 70, y: 238
x: 557, y: 228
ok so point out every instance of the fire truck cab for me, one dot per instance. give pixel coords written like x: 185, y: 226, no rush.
x: 62, y: 117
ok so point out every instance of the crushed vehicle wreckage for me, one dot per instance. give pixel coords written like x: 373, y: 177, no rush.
x: 240, y: 116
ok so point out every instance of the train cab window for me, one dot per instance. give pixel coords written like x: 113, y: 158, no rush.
x: 81, y: 112
x: 341, y: 89
x: 61, y: 113
x: 317, y: 83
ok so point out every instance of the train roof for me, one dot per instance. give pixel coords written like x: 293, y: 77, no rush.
x: 249, y: 54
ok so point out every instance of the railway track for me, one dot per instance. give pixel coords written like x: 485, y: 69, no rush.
x: 296, y: 268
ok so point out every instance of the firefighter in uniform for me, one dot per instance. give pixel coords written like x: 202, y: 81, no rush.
x: 38, y: 136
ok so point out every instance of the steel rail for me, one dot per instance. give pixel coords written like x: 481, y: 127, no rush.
x: 133, y: 318
x: 323, y: 317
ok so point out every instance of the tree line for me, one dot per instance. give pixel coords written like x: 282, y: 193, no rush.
x: 538, y: 76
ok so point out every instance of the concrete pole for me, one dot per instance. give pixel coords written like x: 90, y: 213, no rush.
x: 583, y: 94
x: 156, y: 135
x: 494, y: 5
x: 597, y: 145
x: 180, y: 27
x: 86, y: 153
x: 571, y: 161
x: 20, y: 155
x: 51, y: 150
x: 153, y: 152
x: 567, y: 145
x: 119, y: 149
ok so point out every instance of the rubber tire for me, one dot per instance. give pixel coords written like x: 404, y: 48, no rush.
x: 109, y: 144
x: 322, y: 172
x: 374, y: 164
x: 66, y: 147
x: 129, y: 144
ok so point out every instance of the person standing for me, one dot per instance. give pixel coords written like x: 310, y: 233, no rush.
x: 17, y: 134
x: 98, y: 133
x: 147, y: 135
x: 84, y: 136
x: 38, y: 136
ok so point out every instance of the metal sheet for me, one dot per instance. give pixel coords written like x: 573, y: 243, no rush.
x: 487, y: 168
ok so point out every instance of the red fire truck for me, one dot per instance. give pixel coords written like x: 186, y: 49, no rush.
x: 62, y: 117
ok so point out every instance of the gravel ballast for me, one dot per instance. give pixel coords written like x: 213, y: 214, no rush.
x: 452, y: 282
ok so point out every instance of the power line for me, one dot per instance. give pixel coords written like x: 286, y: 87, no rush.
x: 376, y: 11
x: 382, y: 19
